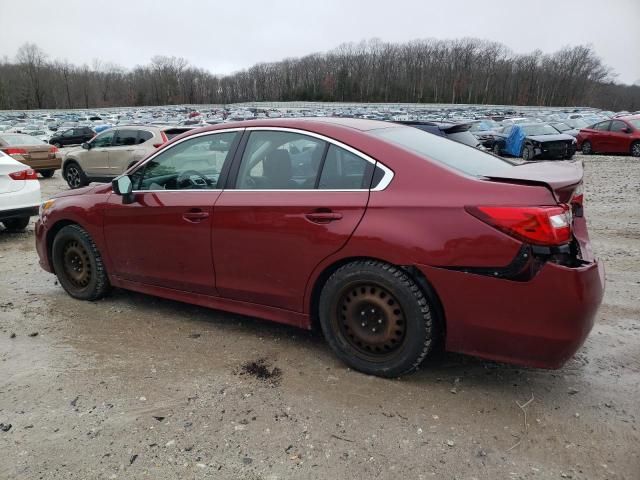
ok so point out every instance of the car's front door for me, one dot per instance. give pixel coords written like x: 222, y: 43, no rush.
x: 95, y: 160
x: 295, y: 199
x: 599, y: 136
x: 163, y: 238
x: 619, y: 140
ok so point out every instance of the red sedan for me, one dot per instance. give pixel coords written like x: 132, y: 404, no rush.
x: 391, y: 239
x: 620, y: 135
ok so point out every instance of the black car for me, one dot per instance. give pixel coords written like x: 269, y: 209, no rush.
x: 541, y: 141
x: 72, y: 136
x: 458, y: 132
x: 485, y: 131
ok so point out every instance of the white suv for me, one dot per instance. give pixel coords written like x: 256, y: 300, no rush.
x: 113, y: 152
x: 19, y: 193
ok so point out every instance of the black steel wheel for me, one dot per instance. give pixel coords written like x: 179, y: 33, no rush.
x: 376, y: 318
x: 78, y: 264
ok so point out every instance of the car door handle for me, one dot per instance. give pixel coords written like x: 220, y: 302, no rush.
x: 195, y: 216
x: 323, y: 217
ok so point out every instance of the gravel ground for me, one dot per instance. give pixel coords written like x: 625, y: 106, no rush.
x: 139, y: 387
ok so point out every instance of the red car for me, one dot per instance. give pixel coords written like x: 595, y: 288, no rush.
x: 620, y: 135
x: 389, y: 238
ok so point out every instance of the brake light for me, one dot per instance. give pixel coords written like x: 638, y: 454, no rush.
x: 164, y: 140
x: 15, y: 151
x: 24, y: 175
x: 536, y: 225
x: 53, y: 149
x: 578, y: 196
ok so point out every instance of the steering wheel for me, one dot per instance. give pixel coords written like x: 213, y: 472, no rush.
x: 191, y: 179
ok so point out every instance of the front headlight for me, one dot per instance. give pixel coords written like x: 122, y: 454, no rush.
x: 45, y: 207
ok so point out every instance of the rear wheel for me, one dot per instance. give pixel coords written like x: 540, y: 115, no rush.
x: 78, y: 264
x: 376, y: 318
x: 16, y: 224
x: 635, y: 149
x: 47, y: 173
x: 74, y: 175
x: 587, y: 149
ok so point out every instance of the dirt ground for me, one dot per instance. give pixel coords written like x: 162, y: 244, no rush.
x: 139, y: 387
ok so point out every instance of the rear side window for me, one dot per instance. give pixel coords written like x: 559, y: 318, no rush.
x: 343, y: 170
x: 143, y: 136
x: 618, y: 126
x: 469, y: 160
x: 125, y: 138
x: 602, y: 126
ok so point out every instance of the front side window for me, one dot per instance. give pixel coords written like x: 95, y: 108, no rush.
x: 103, y: 140
x: 193, y: 164
x: 125, y: 138
x: 280, y: 161
x: 618, y: 126
x: 68, y: 133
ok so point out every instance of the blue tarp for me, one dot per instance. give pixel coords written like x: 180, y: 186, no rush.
x: 513, y: 145
x: 101, y: 128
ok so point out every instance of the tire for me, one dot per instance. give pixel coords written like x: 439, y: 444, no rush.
x: 78, y: 264
x: 46, y: 173
x: 16, y: 224
x: 635, y: 149
x: 587, y: 149
x: 526, y: 153
x: 496, y: 149
x: 376, y: 318
x: 74, y: 175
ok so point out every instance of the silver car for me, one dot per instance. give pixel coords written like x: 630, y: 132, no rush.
x: 113, y: 151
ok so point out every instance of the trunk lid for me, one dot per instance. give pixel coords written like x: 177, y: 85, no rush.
x: 561, y: 177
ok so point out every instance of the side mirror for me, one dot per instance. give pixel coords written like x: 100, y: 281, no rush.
x: 626, y: 130
x: 123, y: 186
x: 86, y: 146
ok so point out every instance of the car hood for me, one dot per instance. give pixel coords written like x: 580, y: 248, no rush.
x: 550, y: 138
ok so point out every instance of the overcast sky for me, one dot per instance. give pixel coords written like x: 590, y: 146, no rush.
x: 224, y: 36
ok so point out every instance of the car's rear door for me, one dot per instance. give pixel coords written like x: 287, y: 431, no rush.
x: 122, y: 152
x: 163, y: 238
x: 294, y: 199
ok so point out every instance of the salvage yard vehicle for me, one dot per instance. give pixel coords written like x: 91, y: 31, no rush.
x: 72, y: 136
x: 620, y: 135
x: 533, y: 141
x: 19, y: 193
x: 37, y: 154
x: 112, y: 152
x: 458, y: 132
x: 392, y: 240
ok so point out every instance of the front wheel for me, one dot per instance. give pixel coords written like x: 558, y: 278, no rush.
x: 376, y: 318
x: 78, y: 264
x: 635, y: 149
x: 74, y: 175
x: 496, y: 149
x: 16, y: 224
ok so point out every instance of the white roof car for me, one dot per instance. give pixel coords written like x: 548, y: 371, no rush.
x: 19, y: 193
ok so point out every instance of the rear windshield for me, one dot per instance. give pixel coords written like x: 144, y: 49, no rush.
x: 541, y: 129
x: 174, y: 132
x: 469, y: 160
x: 467, y: 138
x: 19, y: 139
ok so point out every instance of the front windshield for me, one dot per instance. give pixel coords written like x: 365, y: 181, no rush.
x: 469, y: 160
x: 541, y: 129
x: 562, y: 127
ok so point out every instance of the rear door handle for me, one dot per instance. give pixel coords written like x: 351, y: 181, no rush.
x: 323, y: 217
x: 195, y: 216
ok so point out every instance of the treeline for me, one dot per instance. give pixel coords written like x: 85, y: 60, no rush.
x: 467, y: 71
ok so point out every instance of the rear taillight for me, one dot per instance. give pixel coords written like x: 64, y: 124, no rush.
x: 24, y: 175
x: 164, y: 140
x: 535, y: 225
x: 15, y: 151
x: 578, y: 195
x: 53, y: 149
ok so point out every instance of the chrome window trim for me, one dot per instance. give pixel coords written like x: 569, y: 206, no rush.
x: 384, y: 181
